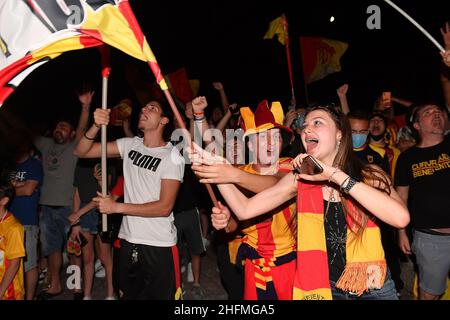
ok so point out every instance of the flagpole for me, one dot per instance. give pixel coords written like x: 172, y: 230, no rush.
x: 183, y: 126
x: 288, y: 55
x: 160, y: 80
x: 305, y: 85
x: 106, y: 69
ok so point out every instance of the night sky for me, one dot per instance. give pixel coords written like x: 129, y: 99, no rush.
x: 223, y: 41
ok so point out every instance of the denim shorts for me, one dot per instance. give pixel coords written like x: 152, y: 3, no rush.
x: 31, y: 242
x: 54, y: 225
x: 89, y: 221
x: 386, y: 292
x: 433, y: 259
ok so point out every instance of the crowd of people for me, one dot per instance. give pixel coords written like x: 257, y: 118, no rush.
x: 318, y: 201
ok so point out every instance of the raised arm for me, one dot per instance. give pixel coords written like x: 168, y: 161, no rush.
x: 403, y: 102
x: 198, y: 121
x: 227, y: 116
x: 342, y: 94
x: 85, y: 100
x: 223, y: 97
x: 86, y: 148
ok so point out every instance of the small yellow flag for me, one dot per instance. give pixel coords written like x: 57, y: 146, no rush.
x: 278, y: 27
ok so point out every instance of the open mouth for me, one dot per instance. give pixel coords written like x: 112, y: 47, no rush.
x: 311, y: 144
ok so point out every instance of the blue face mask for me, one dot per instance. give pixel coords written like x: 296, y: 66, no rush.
x: 359, y: 139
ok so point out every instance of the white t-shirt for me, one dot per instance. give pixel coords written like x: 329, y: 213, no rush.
x: 143, y: 170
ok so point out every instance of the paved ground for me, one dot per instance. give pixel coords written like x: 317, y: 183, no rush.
x: 213, y: 289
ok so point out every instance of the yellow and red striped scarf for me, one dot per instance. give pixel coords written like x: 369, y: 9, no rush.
x: 365, y: 264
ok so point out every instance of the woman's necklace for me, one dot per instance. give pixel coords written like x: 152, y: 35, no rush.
x: 331, y: 192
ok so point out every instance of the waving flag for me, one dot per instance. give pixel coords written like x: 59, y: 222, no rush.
x: 321, y: 57
x: 33, y: 32
x: 277, y: 27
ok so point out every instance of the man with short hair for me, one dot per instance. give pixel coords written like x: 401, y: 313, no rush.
x: 153, y: 171
x: 57, y: 191
x: 422, y: 181
x: 359, y: 123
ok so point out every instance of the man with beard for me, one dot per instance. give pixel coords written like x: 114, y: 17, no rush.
x: 422, y: 179
x: 57, y: 191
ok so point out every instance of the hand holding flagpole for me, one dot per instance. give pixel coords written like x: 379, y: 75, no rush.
x: 418, y: 26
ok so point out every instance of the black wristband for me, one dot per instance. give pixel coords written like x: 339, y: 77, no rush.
x: 92, y: 139
x: 350, y: 184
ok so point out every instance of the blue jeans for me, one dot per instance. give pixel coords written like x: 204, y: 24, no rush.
x: 89, y: 221
x: 387, y: 292
x: 54, y: 225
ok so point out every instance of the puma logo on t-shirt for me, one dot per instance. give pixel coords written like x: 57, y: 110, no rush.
x: 143, y: 161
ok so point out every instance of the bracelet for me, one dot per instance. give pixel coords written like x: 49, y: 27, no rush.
x: 97, y: 125
x: 198, y: 113
x: 349, y: 186
x: 199, y: 119
x: 92, y: 139
x: 335, y: 171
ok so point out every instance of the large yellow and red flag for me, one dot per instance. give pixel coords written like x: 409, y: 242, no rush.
x: 33, y: 32
x: 320, y: 57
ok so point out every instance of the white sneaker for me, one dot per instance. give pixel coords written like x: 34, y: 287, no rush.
x: 87, y: 298
x: 190, y: 275
x: 205, y: 242
x: 110, y: 298
x: 99, y: 269
x: 65, y: 259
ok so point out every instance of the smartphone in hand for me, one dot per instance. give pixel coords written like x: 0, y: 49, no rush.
x: 386, y: 97
x: 310, y: 166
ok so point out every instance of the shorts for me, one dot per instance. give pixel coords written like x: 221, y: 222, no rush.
x: 31, y: 243
x: 148, y: 272
x: 54, y: 225
x: 189, y: 227
x: 89, y: 221
x: 433, y: 260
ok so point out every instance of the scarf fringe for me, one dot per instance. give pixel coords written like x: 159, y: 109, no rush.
x: 357, y: 275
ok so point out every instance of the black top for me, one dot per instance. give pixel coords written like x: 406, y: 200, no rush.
x: 427, y: 173
x: 370, y: 156
x: 191, y: 193
x: 336, y: 237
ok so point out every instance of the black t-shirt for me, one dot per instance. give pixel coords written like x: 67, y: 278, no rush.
x: 191, y: 192
x: 370, y: 156
x: 427, y: 173
x: 336, y: 239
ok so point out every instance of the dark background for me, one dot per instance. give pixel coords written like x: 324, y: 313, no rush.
x: 223, y: 41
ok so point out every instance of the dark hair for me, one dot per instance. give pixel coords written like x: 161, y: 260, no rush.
x: 379, y: 115
x: 358, y: 114
x: 6, y: 189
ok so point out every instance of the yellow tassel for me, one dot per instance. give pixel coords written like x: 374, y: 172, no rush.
x: 359, y: 277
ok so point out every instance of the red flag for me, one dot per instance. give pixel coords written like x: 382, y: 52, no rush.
x: 320, y: 57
